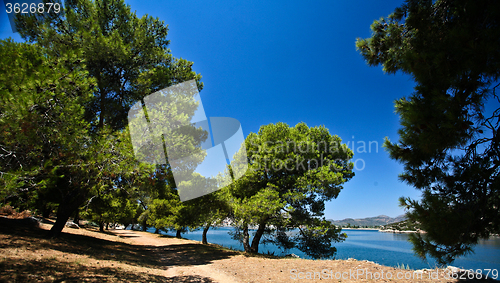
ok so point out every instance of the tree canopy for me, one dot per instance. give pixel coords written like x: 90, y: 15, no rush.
x: 292, y: 172
x: 127, y: 56
x: 44, y: 136
x: 66, y: 143
x: 100, y: 58
x: 449, y: 144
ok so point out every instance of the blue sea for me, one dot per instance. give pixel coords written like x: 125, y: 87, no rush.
x: 384, y: 248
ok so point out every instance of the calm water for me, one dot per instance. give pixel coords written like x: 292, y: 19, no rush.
x: 384, y: 248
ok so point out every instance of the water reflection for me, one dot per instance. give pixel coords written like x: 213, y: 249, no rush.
x: 493, y: 242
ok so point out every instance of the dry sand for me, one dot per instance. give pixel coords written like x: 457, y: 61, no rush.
x: 86, y: 255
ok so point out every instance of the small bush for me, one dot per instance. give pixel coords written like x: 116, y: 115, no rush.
x: 10, y: 212
x: 23, y: 214
x: 7, y: 210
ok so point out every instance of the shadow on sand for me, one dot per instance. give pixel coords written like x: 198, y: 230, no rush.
x: 17, y: 234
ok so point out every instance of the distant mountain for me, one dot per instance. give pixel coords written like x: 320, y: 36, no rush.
x: 369, y: 221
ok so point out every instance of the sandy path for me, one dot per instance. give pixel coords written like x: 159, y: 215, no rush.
x: 183, y: 265
x: 243, y: 268
x: 85, y: 255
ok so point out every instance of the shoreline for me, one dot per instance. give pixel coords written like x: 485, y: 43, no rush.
x: 401, y: 231
x: 136, y: 256
x: 366, y: 229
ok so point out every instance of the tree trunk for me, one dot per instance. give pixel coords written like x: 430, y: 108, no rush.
x: 101, y: 226
x: 46, y: 210
x: 62, y: 217
x: 157, y: 231
x: 204, y: 236
x: 77, y: 217
x: 246, y: 239
x: 256, y: 239
x: 144, y: 225
x: 178, y: 233
x: 67, y: 206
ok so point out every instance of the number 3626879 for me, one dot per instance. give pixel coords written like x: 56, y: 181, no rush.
x: 25, y: 8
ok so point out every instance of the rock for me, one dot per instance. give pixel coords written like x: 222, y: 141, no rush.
x: 292, y: 255
x: 33, y: 221
x: 71, y: 224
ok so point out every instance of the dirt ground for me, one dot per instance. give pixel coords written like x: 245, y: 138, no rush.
x: 86, y: 255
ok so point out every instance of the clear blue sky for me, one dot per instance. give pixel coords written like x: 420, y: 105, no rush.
x: 289, y: 61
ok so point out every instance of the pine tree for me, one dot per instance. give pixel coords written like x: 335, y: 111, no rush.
x: 448, y: 144
x: 126, y: 58
x: 292, y: 172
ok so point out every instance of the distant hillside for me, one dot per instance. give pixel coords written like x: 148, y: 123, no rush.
x: 405, y: 225
x: 369, y: 221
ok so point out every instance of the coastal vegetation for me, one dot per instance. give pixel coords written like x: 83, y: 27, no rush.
x: 286, y: 187
x: 66, y: 152
x: 368, y: 222
x: 403, y: 226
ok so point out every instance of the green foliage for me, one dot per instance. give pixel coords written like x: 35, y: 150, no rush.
x: 49, y: 156
x: 316, y: 238
x: 448, y: 144
x: 42, y: 125
x: 96, y: 58
x: 406, y: 225
x: 170, y: 213
x: 164, y: 213
x: 111, y: 203
x: 292, y: 172
x: 127, y: 55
